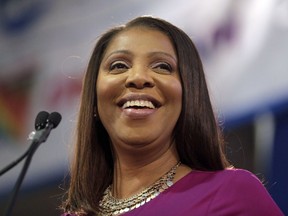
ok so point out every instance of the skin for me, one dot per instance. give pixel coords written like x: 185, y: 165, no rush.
x: 140, y: 62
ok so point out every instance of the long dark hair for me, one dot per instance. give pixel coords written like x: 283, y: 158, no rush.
x: 197, y: 134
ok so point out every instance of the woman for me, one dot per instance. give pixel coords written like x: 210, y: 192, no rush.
x: 147, y: 140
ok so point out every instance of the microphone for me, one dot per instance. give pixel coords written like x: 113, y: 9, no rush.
x: 41, y: 119
x: 44, y: 128
x: 54, y: 119
x: 44, y: 123
x: 40, y: 122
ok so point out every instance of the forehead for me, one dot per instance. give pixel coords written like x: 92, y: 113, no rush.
x: 141, y: 39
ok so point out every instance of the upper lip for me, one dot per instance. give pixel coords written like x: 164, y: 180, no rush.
x: 134, y: 96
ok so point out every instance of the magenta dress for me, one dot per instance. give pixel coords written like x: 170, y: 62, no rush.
x: 232, y: 192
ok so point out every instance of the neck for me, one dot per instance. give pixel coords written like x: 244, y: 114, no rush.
x: 134, y: 172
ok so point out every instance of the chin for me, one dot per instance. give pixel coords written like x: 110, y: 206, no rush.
x: 138, y: 141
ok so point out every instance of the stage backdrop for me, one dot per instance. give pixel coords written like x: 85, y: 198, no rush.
x: 45, y: 46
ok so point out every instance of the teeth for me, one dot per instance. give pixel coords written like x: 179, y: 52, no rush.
x: 138, y: 103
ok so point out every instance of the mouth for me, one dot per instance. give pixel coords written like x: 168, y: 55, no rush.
x: 139, y: 102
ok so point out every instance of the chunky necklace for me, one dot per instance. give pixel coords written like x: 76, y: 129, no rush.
x: 112, y: 206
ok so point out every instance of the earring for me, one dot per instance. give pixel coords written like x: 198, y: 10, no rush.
x: 95, y: 112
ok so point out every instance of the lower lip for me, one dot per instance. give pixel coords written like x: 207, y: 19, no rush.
x: 138, y: 113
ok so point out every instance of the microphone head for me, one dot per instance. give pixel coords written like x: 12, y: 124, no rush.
x: 54, y: 119
x: 41, y: 120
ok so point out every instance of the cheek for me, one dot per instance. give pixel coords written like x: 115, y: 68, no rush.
x: 102, y: 94
x: 174, y: 95
x: 107, y: 90
x: 177, y: 90
x: 173, y: 89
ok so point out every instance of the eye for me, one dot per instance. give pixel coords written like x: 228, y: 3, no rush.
x: 163, y: 67
x: 118, y: 66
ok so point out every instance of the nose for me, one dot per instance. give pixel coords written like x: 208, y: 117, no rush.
x: 139, y: 78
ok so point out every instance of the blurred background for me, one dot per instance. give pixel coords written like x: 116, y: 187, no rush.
x: 44, y: 49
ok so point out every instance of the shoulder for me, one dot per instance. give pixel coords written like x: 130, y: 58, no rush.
x: 240, y: 173
x: 241, y: 191
x: 240, y: 177
x: 240, y: 183
x: 219, y: 180
x: 228, y: 176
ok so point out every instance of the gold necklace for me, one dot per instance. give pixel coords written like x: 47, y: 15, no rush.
x: 112, y: 206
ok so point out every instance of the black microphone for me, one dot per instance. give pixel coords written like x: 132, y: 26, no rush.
x: 40, y: 123
x: 54, y: 119
x: 41, y: 120
x: 44, y: 126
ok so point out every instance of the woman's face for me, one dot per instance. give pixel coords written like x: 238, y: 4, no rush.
x: 139, y: 92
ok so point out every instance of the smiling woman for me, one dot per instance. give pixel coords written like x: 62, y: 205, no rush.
x: 147, y: 139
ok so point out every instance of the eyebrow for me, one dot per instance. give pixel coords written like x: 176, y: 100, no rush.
x: 162, y: 53
x: 150, y: 54
x: 127, y: 52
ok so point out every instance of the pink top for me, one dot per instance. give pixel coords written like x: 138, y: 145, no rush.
x: 201, y: 193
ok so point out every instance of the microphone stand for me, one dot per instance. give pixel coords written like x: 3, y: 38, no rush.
x: 40, y: 137
x: 40, y: 123
x: 11, y: 165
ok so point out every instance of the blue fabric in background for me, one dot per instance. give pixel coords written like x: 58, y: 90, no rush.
x: 279, y: 168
